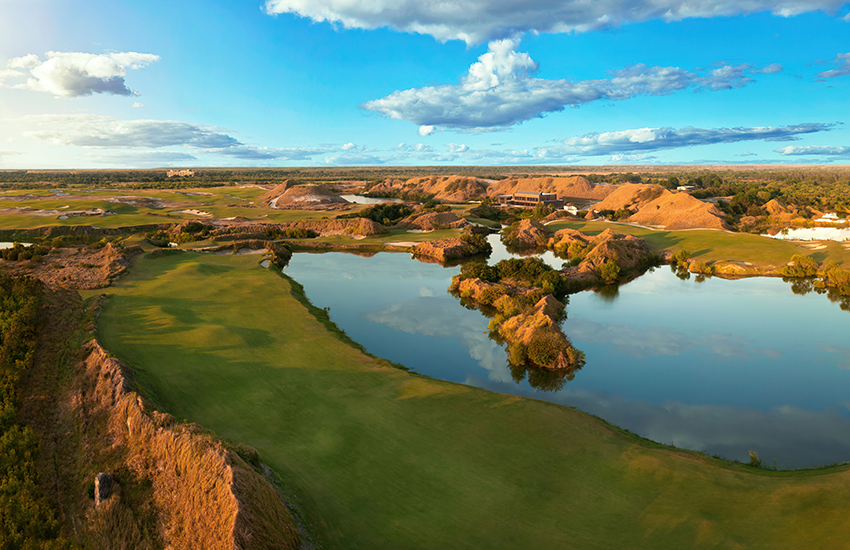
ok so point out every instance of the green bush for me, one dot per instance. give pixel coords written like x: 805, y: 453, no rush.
x: 609, y: 272
x: 801, y: 266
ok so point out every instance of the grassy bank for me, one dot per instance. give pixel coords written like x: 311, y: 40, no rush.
x: 710, y: 245
x: 381, y: 458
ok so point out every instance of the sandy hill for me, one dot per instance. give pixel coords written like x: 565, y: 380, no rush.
x: 571, y: 186
x: 278, y: 191
x: 655, y: 206
x: 308, y: 197
x: 430, y: 221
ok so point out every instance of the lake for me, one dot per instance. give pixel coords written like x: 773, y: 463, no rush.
x: 814, y: 234
x: 719, y: 366
x: 4, y: 245
x: 360, y: 199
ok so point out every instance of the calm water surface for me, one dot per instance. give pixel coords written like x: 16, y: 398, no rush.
x: 720, y: 366
x: 814, y: 234
x: 360, y: 199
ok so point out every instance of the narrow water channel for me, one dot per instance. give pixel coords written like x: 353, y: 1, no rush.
x: 719, y: 366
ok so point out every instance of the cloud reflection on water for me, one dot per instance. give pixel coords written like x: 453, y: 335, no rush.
x: 441, y: 317
x: 794, y: 437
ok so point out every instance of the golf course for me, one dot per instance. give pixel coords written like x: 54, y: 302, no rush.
x: 376, y: 457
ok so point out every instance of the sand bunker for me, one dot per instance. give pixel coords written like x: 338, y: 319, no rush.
x: 192, y: 212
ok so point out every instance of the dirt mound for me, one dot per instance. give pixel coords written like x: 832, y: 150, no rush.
x: 202, y: 494
x: 571, y: 186
x: 539, y: 328
x: 446, y: 250
x: 655, y: 206
x: 632, y: 196
x: 680, y: 211
x: 526, y: 234
x: 269, y: 196
x: 430, y: 221
x: 308, y: 197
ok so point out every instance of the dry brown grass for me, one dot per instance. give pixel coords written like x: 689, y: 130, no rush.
x: 176, y: 485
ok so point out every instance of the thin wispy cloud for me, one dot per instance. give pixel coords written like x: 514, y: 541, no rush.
x: 656, y: 139
x: 820, y: 150
x: 96, y: 131
x: 477, y: 21
x: 842, y: 67
x: 500, y: 90
x: 75, y: 74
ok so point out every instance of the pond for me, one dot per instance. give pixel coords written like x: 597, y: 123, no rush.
x: 813, y: 234
x: 719, y: 366
x: 4, y: 245
x: 360, y: 199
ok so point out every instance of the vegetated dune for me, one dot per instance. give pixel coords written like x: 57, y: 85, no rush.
x: 446, y: 250
x: 453, y: 189
x: 655, y: 206
x: 430, y: 221
x: 201, y: 494
x: 79, y: 268
x: 460, y: 189
x: 627, y: 250
x: 354, y: 227
x: 570, y: 186
x: 307, y: 197
x: 526, y: 234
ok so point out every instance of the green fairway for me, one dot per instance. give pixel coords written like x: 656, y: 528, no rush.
x: 380, y: 458
x: 711, y: 245
x: 219, y: 202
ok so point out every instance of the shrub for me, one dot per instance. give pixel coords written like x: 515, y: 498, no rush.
x: 681, y: 257
x: 801, y: 266
x: 608, y: 272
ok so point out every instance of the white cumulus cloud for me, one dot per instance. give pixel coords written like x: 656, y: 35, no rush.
x: 500, y: 90
x: 75, y: 74
x: 842, y: 67
x: 476, y: 21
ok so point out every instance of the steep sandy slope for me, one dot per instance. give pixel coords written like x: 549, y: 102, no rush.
x: 571, y: 186
x: 655, y: 206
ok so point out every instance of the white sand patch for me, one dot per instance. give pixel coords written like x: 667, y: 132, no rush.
x: 192, y: 212
x: 402, y: 243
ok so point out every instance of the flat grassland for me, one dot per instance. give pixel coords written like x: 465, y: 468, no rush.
x: 45, y: 207
x: 711, y: 245
x: 381, y: 458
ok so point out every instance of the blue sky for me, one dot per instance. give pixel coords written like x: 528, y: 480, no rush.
x: 100, y: 84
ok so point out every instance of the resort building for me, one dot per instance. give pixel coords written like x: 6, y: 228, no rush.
x: 530, y: 199
x: 172, y: 173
